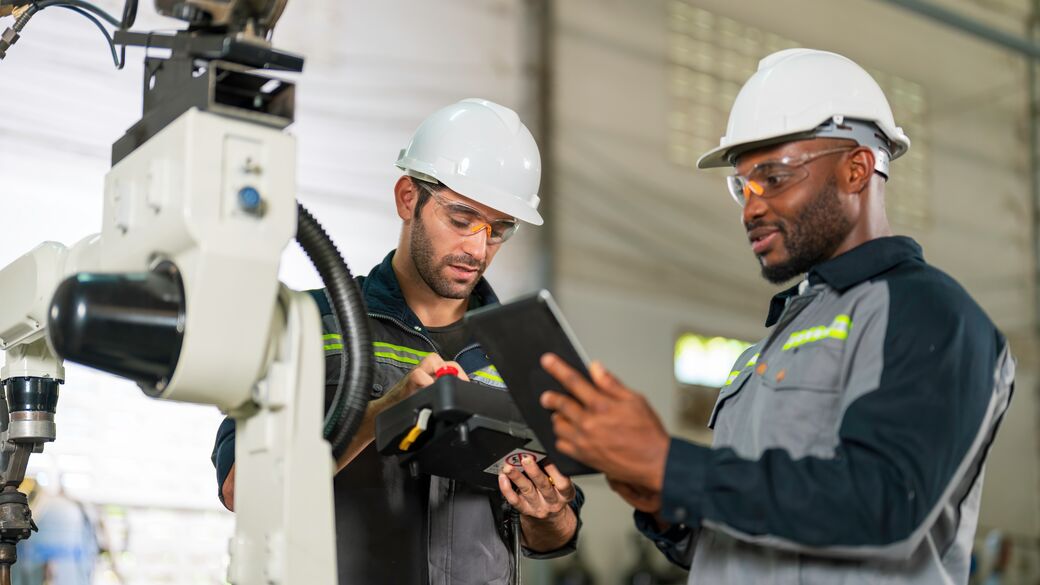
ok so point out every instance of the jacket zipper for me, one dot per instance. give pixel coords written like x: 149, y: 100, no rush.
x: 404, y: 327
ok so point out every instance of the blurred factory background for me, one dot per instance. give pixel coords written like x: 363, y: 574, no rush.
x: 644, y: 251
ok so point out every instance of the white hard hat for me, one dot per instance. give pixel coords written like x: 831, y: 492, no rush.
x: 480, y: 150
x: 804, y: 93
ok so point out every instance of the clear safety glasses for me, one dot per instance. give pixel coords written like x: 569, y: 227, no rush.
x: 467, y: 221
x: 772, y: 177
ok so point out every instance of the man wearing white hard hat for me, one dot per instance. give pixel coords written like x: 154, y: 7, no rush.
x: 472, y: 172
x: 849, y: 443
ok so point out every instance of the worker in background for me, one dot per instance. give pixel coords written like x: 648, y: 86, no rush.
x: 849, y: 443
x: 65, y: 549
x: 472, y: 172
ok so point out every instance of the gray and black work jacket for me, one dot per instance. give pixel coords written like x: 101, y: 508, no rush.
x: 849, y: 444
x: 392, y: 527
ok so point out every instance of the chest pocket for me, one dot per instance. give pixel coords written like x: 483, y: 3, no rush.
x: 393, y: 362
x: 734, y: 383
x: 801, y: 399
x: 731, y: 389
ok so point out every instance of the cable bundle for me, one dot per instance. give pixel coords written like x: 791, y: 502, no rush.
x: 27, y: 9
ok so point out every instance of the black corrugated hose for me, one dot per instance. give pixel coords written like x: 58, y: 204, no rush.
x: 355, y: 381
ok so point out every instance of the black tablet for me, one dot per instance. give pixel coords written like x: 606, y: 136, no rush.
x: 515, y: 336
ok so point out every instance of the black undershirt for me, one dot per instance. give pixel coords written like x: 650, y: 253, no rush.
x: 450, y: 339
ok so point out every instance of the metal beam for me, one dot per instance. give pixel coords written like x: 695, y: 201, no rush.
x: 1011, y: 42
x: 539, y: 31
x: 1033, y: 81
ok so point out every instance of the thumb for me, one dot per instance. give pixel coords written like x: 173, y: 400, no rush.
x: 461, y: 373
x: 419, y: 379
x: 430, y: 364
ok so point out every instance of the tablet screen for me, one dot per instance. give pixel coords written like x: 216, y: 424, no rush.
x: 514, y: 336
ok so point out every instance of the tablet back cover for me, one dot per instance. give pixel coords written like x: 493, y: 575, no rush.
x: 514, y: 336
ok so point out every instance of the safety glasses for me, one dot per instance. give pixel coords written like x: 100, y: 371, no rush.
x: 467, y: 221
x: 770, y: 178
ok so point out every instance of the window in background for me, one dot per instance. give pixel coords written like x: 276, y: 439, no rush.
x: 702, y: 365
x: 710, y: 58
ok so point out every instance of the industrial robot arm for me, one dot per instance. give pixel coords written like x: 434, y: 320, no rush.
x: 179, y: 290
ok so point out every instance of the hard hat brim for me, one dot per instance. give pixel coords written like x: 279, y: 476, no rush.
x: 507, y: 204
x: 723, y: 156
x: 504, y: 202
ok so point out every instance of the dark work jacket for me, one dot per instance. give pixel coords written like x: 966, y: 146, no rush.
x: 849, y: 443
x: 387, y: 521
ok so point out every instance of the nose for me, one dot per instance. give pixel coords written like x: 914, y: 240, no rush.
x: 476, y: 245
x: 754, y: 208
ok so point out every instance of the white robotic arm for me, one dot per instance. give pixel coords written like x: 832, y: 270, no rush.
x: 179, y: 292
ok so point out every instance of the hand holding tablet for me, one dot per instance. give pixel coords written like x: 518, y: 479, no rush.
x: 599, y: 424
x: 515, y: 336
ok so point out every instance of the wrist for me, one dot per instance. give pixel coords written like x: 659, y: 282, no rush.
x: 659, y: 463
x: 549, y: 533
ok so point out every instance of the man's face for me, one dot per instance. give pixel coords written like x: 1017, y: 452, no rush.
x: 449, y: 263
x: 802, y: 225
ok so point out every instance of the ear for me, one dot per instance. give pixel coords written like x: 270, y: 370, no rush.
x: 405, y: 196
x: 859, y: 169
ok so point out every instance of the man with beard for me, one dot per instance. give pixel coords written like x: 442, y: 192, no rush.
x: 472, y: 172
x: 849, y: 443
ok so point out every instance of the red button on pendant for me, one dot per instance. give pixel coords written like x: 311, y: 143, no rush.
x: 447, y: 371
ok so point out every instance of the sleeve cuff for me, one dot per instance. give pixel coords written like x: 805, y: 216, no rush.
x: 224, y: 453
x: 682, y: 494
x: 647, y: 524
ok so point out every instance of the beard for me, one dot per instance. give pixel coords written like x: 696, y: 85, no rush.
x: 812, y: 238
x: 432, y: 271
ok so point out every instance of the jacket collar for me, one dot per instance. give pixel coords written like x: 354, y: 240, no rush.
x: 382, y: 293
x: 859, y: 264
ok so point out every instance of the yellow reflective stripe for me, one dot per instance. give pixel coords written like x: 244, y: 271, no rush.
x: 414, y: 358
x: 732, y: 376
x: 838, y: 329
x: 401, y: 348
x: 396, y: 358
x: 375, y: 344
x: 487, y: 376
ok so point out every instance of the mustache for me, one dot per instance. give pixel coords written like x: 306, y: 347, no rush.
x: 464, y: 260
x: 778, y: 225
